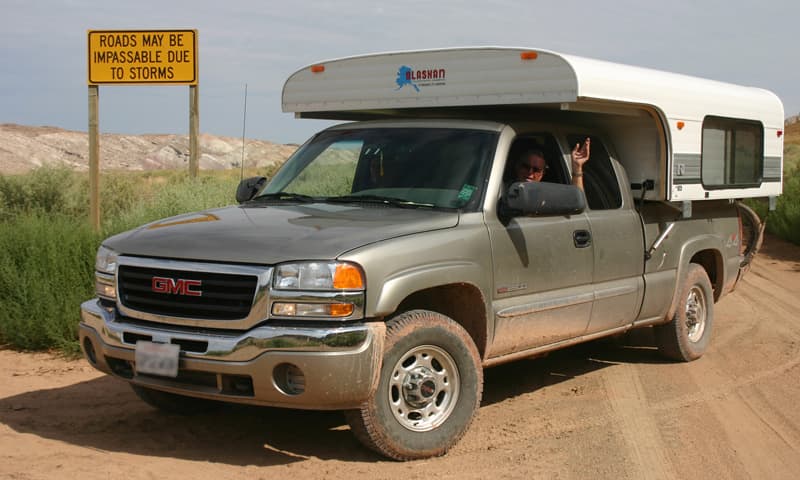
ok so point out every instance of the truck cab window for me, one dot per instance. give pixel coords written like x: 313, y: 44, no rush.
x: 436, y: 167
x: 599, y: 180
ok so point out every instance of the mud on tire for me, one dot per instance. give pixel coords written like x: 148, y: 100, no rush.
x: 686, y: 336
x: 428, y: 392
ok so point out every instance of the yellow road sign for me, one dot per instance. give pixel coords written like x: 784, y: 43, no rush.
x: 162, y: 57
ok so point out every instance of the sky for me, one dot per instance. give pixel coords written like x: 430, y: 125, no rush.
x: 43, y: 50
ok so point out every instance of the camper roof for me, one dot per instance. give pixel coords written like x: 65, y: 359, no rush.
x: 388, y: 83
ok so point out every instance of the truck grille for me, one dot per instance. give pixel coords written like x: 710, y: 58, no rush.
x: 191, y: 294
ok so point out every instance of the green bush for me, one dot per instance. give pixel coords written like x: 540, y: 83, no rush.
x: 46, y: 271
x: 785, y: 220
x: 47, y: 247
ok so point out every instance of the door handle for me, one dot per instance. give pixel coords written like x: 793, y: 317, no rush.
x: 582, y: 238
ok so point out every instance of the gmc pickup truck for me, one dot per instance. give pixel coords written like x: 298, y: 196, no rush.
x: 395, y: 256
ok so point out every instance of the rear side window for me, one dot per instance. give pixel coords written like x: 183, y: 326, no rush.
x: 732, y: 153
x: 600, y: 183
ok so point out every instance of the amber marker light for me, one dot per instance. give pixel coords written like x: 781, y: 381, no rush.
x: 681, y: 125
x: 341, y: 309
x: 528, y: 55
x: 317, y: 68
x: 347, y: 277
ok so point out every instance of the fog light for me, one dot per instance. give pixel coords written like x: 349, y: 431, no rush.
x: 312, y: 309
x: 289, y: 379
x: 105, y: 286
x: 106, y: 291
x: 284, y: 309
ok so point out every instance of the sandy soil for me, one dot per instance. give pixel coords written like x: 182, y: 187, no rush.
x: 596, y: 411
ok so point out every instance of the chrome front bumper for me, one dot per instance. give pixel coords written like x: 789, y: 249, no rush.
x: 340, y: 363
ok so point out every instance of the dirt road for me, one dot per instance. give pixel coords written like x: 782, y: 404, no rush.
x: 595, y: 411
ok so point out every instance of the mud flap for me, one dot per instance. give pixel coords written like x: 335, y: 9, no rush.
x: 752, y: 238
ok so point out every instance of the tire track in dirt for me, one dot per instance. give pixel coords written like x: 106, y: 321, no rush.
x: 753, y: 362
x: 639, y: 427
x: 740, y: 344
x: 779, y: 425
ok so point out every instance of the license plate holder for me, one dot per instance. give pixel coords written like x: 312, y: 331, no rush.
x: 159, y: 359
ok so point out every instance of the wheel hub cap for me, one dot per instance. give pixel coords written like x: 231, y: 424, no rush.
x: 419, y: 387
x: 695, y: 314
x: 423, y: 388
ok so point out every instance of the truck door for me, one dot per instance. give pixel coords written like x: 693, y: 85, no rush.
x: 543, y: 267
x: 617, y: 238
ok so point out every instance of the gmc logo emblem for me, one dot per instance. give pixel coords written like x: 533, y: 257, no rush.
x: 176, y: 286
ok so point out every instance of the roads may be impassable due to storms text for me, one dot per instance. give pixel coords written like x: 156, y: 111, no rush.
x: 136, y: 57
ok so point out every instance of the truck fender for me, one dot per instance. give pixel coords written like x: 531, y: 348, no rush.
x: 688, y: 251
x: 402, y: 284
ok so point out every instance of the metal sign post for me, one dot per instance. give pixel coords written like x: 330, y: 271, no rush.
x: 138, y: 57
x: 94, y: 159
x: 194, y: 127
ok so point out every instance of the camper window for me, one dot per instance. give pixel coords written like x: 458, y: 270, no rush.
x: 732, y: 153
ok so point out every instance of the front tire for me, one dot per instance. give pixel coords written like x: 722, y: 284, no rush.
x: 429, y: 389
x: 686, y: 336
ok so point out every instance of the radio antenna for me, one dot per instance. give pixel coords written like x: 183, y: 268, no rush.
x: 244, y: 126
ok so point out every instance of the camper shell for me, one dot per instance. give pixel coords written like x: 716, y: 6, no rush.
x: 679, y: 138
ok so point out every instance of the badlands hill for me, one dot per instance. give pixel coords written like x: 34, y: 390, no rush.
x: 23, y: 148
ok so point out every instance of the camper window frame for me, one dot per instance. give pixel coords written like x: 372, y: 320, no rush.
x: 731, y: 126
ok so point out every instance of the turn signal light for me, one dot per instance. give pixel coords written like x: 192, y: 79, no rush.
x: 528, y: 55
x: 341, y: 309
x: 317, y: 68
x: 347, y: 277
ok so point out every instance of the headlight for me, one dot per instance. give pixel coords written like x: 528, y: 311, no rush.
x: 106, y: 261
x: 105, y: 266
x: 319, y: 290
x: 318, y: 276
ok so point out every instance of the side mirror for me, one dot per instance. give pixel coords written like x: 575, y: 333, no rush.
x: 249, y: 187
x: 544, y: 199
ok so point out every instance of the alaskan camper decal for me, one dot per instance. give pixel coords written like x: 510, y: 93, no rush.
x: 425, y: 77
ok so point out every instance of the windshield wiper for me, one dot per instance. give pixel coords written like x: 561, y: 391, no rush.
x: 280, y: 196
x: 380, y: 199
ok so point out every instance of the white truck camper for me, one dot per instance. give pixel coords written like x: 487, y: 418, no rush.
x: 680, y: 138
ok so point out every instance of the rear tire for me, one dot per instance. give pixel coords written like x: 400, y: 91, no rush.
x: 174, y: 403
x: 428, y: 391
x: 686, y: 336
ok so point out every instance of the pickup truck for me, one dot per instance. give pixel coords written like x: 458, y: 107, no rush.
x: 392, y: 258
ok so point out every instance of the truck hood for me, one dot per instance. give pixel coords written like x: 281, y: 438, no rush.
x: 275, y: 233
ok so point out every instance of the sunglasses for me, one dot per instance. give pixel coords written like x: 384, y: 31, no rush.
x: 532, y: 168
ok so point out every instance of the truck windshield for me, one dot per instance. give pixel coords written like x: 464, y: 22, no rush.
x: 434, y: 167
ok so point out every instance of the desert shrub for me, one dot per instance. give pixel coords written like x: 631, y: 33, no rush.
x: 47, y: 247
x: 46, y: 271
x: 785, y: 220
x: 42, y: 190
x: 791, y: 157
